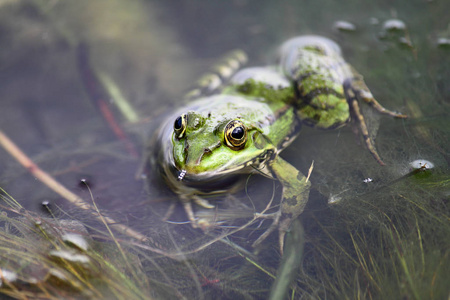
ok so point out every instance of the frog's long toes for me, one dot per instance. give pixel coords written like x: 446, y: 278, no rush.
x: 189, y: 212
x: 400, y: 115
x: 202, y: 202
x: 263, y: 236
x: 273, y: 226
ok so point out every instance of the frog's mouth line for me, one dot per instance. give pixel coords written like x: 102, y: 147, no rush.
x: 255, y: 163
x: 183, y: 175
x: 208, y: 182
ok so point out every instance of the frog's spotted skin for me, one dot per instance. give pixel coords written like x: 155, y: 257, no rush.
x: 211, y: 82
x: 328, y: 87
x: 210, y: 145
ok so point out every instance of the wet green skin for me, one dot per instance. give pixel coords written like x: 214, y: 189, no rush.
x: 312, y: 85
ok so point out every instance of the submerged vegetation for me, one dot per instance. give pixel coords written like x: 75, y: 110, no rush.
x: 384, y: 244
x: 368, y: 232
x: 54, y: 258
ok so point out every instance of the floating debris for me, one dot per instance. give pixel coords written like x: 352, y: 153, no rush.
x: 334, y: 199
x: 367, y: 180
x: 405, y: 41
x: 394, y: 25
x: 76, y: 241
x: 58, y: 274
x: 70, y: 256
x: 7, y: 275
x: 396, y: 32
x: 443, y: 43
x: 421, y: 164
x: 344, y: 26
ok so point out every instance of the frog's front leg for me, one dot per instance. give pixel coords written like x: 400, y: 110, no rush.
x: 294, y: 198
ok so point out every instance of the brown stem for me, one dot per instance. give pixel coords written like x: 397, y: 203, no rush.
x: 58, y: 188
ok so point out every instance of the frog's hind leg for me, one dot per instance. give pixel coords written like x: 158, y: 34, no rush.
x: 363, y: 93
x: 355, y: 88
x: 352, y: 98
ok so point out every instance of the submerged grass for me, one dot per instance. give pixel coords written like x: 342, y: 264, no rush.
x: 46, y: 259
x: 379, y: 246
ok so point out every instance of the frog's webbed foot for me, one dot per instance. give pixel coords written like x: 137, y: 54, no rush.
x: 281, y: 221
x: 355, y: 89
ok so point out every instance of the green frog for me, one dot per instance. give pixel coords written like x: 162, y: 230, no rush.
x: 215, y: 141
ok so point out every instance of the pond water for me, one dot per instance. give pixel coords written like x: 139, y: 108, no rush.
x: 370, y: 231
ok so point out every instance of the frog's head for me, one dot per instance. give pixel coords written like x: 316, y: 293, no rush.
x: 208, y: 145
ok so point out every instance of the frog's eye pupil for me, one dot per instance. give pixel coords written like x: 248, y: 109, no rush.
x: 238, y: 133
x: 178, y: 123
x: 235, y: 135
x: 179, y: 126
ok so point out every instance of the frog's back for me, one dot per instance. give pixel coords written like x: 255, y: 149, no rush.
x: 315, y: 65
x: 322, y: 44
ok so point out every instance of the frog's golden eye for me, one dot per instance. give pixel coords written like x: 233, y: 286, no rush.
x: 235, y: 135
x: 179, y: 126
